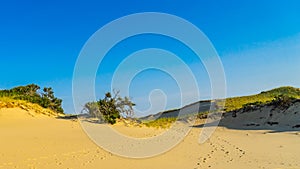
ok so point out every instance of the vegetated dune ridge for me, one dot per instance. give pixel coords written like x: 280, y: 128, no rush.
x: 33, y: 140
x: 273, y: 116
x: 231, y: 104
x: 31, y: 108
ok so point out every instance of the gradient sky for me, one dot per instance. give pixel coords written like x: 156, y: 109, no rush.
x: 257, y: 41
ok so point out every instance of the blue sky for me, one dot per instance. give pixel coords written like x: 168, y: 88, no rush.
x: 257, y: 41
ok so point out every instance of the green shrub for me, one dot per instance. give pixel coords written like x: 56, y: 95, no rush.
x: 164, y: 122
x: 110, y: 108
x: 235, y: 103
x: 32, y: 94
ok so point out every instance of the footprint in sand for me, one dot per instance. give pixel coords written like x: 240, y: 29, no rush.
x: 224, y: 147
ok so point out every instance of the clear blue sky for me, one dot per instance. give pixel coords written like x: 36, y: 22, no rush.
x: 258, y: 43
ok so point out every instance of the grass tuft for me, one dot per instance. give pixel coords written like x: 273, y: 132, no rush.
x: 161, y: 122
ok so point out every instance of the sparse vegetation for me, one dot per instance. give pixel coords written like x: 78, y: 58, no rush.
x: 6, y: 102
x: 280, y: 96
x: 282, y: 101
x: 110, y: 108
x: 202, y: 115
x: 161, y: 122
x: 262, y: 98
x: 32, y: 94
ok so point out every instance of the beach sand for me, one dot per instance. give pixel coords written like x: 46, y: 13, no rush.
x: 35, y: 141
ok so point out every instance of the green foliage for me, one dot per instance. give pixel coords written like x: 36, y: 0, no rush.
x: 279, y: 96
x: 93, y: 109
x: 257, y: 103
x: 31, y: 94
x: 283, y: 91
x: 262, y: 98
x: 202, y: 115
x: 110, y: 108
x: 165, y: 122
x: 6, y: 102
x: 283, y: 101
x: 284, y: 98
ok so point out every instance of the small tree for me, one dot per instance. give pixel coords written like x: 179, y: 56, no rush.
x: 93, y: 109
x: 123, y: 105
x: 110, y: 108
x: 50, y: 101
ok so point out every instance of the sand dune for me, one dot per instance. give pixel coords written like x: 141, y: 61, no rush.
x: 268, y: 117
x: 37, y: 141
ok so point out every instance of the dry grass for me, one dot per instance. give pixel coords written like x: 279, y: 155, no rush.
x: 161, y: 122
x: 12, y: 103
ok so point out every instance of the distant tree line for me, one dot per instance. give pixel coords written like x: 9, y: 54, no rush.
x: 33, y: 94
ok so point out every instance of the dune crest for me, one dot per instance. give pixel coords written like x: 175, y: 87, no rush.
x: 31, y: 108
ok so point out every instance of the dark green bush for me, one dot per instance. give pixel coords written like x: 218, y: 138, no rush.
x: 110, y: 108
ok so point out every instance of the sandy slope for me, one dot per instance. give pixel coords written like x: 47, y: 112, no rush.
x: 45, y: 142
x: 271, y: 117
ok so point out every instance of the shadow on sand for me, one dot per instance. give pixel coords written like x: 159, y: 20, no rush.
x: 274, y: 127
